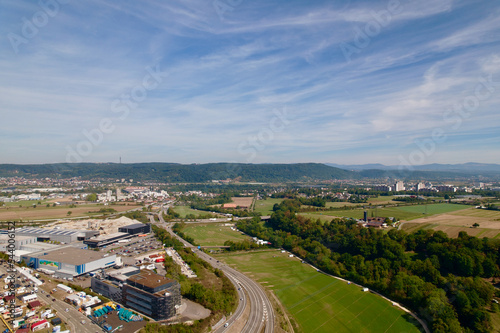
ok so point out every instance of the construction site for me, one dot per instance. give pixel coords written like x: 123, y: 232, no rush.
x: 105, y: 227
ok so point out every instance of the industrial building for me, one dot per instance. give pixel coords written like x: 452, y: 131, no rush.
x: 18, y: 241
x: 144, y: 291
x: 105, y: 240
x: 68, y: 261
x: 109, y: 284
x: 57, y: 234
x: 152, y: 294
x: 136, y: 228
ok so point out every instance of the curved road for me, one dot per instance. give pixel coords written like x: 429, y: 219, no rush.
x: 261, y: 310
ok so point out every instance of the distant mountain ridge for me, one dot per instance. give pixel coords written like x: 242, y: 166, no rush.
x: 173, y: 172
x: 268, y: 173
x: 464, y: 167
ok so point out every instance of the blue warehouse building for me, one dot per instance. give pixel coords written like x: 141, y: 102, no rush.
x: 68, y: 262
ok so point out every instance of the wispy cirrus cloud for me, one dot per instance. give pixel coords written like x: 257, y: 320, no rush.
x: 224, y: 78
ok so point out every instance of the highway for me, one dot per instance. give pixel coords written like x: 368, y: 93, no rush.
x: 261, y: 310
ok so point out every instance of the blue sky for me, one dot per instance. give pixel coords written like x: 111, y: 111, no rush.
x: 250, y: 81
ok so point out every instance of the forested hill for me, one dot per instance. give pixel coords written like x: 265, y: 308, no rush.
x: 192, y: 173
x: 171, y: 172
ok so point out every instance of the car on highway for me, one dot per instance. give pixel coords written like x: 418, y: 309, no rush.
x: 226, y: 324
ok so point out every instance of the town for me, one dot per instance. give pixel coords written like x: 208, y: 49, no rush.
x: 110, y: 254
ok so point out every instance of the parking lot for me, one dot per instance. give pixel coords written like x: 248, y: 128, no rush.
x: 135, y: 247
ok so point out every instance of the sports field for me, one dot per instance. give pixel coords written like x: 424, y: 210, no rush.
x: 212, y: 234
x: 27, y: 212
x: 265, y: 207
x: 320, y: 303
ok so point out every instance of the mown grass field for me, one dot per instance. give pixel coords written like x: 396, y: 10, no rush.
x: 213, y: 234
x: 381, y: 199
x: 265, y: 207
x: 320, y: 303
x: 186, y: 210
x: 41, y: 212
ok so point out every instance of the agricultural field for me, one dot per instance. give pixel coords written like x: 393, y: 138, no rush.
x: 433, y: 209
x: 338, y: 204
x: 242, y: 201
x: 186, y: 210
x: 463, y: 220
x: 212, y: 234
x: 42, y: 212
x: 380, y: 200
x: 405, y: 213
x: 318, y: 302
x: 265, y: 207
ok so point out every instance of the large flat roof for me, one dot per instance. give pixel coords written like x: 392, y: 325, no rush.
x: 149, y: 279
x: 133, y: 226
x: 73, y: 256
x: 18, y: 238
x: 55, y: 232
x: 106, y: 237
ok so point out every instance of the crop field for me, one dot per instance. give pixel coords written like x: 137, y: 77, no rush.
x: 433, y: 209
x: 242, y: 201
x: 320, y: 303
x: 186, y: 210
x: 212, y: 234
x: 338, y: 204
x: 453, y: 222
x: 481, y: 213
x: 406, y: 213
x: 265, y: 207
x: 381, y: 199
x: 42, y: 212
x: 358, y: 213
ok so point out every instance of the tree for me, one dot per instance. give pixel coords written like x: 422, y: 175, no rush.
x: 91, y: 197
x: 475, y: 225
x: 69, y: 213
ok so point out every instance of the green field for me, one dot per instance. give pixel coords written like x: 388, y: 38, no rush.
x: 318, y: 302
x: 401, y: 213
x: 433, y: 209
x: 265, y: 207
x: 185, y: 210
x: 212, y: 234
x: 358, y: 213
x: 381, y: 199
